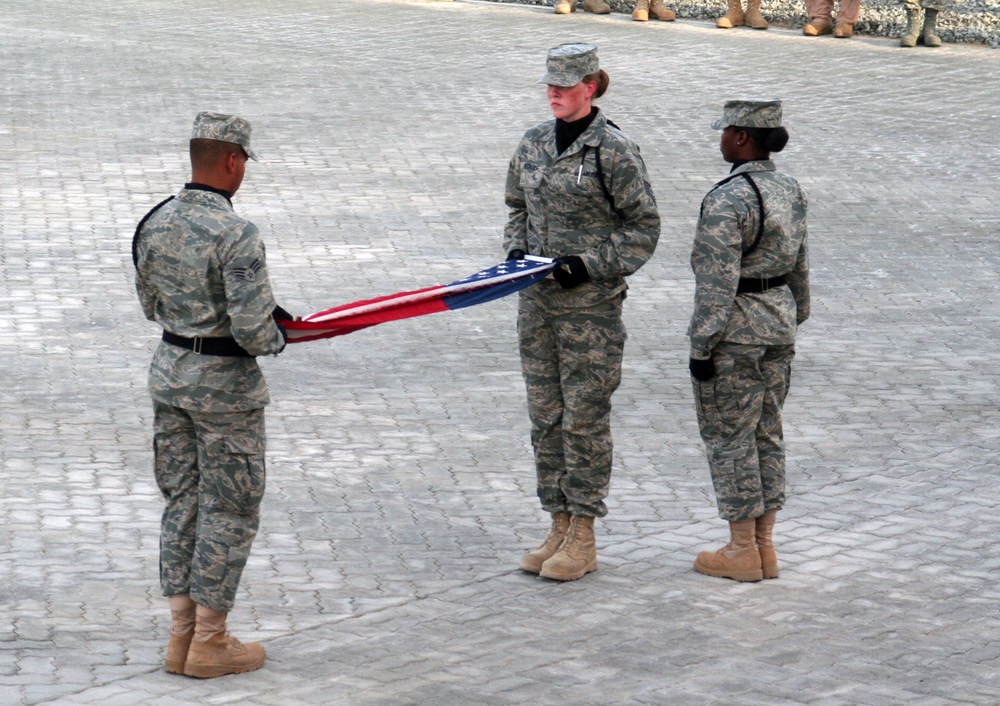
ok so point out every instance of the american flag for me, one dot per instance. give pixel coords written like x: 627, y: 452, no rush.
x: 484, y: 286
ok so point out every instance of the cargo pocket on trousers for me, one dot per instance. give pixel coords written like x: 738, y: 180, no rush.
x: 241, y: 484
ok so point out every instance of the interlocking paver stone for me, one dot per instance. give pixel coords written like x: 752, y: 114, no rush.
x: 400, y: 490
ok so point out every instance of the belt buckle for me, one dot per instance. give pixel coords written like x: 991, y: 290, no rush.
x: 196, y: 347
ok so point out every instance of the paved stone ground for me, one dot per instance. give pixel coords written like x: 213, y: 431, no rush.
x: 401, y: 493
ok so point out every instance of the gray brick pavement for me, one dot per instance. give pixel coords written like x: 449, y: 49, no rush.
x: 400, y: 492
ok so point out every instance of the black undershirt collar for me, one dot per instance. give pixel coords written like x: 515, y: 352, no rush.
x: 566, y: 133
x: 194, y: 186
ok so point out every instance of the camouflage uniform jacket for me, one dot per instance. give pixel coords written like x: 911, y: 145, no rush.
x: 200, y: 272
x: 558, y: 207
x: 727, y: 228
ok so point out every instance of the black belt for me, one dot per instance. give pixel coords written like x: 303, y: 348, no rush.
x: 208, y: 346
x: 752, y: 285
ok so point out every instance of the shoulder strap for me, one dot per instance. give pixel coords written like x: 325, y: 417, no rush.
x: 760, y: 219
x: 760, y: 204
x: 135, y: 238
x: 600, y: 177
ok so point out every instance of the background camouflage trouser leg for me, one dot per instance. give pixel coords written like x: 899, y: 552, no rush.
x: 210, y: 469
x: 572, y: 365
x: 739, y: 415
x: 927, y: 4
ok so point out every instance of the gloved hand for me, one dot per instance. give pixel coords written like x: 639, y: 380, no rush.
x: 515, y: 255
x: 570, y: 271
x: 280, y: 314
x: 702, y: 370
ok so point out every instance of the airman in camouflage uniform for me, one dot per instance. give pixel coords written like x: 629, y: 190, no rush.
x: 578, y: 191
x: 751, y: 266
x: 201, y: 275
x: 926, y: 35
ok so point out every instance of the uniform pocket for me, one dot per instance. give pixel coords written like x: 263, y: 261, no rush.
x: 241, y: 478
x: 530, y: 178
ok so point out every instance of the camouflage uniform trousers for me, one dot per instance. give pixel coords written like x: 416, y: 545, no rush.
x: 739, y: 416
x: 210, y: 469
x: 572, y: 364
x: 927, y: 4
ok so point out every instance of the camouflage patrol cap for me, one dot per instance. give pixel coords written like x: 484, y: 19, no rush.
x: 567, y: 64
x: 224, y: 128
x: 749, y: 114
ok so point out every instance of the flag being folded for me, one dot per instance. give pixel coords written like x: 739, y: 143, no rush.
x: 484, y: 286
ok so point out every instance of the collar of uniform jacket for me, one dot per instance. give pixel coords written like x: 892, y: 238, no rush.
x: 591, y: 137
x: 754, y: 165
x: 194, y: 186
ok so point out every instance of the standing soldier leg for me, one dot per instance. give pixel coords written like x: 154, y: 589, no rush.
x: 231, y: 463
x: 175, y: 463
x: 928, y: 33
x: 729, y: 409
x: 909, y: 38
x: 733, y: 16
x: 776, y: 367
x: 540, y: 366
x: 847, y: 16
x: 820, y: 14
x: 591, y: 346
x: 753, y: 17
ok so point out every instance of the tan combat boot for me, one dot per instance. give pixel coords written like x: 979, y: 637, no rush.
x: 753, y: 18
x: 768, y: 558
x: 598, y: 7
x: 533, y: 560
x: 641, y: 11
x: 817, y: 28
x: 928, y: 35
x: 661, y: 12
x: 182, y: 612
x: 215, y: 653
x: 733, y: 16
x: 578, y: 554
x: 912, y: 29
x: 843, y: 31
x: 564, y: 7
x: 739, y: 560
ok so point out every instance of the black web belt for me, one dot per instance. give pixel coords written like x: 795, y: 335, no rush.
x: 208, y: 346
x: 753, y: 285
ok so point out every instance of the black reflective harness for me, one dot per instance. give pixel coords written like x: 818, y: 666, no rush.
x: 223, y: 346
x: 752, y: 285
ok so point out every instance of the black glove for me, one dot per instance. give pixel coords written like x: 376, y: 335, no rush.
x: 702, y: 370
x: 280, y: 314
x: 515, y: 255
x: 570, y: 271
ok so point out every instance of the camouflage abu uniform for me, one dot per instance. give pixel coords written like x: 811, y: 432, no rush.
x: 927, y: 4
x: 572, y: 340
x: 749, y: 336
x: 201, y: 275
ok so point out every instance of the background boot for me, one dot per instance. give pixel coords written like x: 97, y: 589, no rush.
x: 578, y: 554
x: 598, y: 7
x: 817, y: 28
x: 843, y: 31
x: 533, y: 560
x: 182, y: 614
x: 564, y: 7
x: 929, y: 32
x: 768, y: 559
x: 733, y: 16
x: 739, y: 560
x: 214, y: 653
x: 912, y: 29
x: 661, y: 12
x: 641, y: 11
x: 753, y: 18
